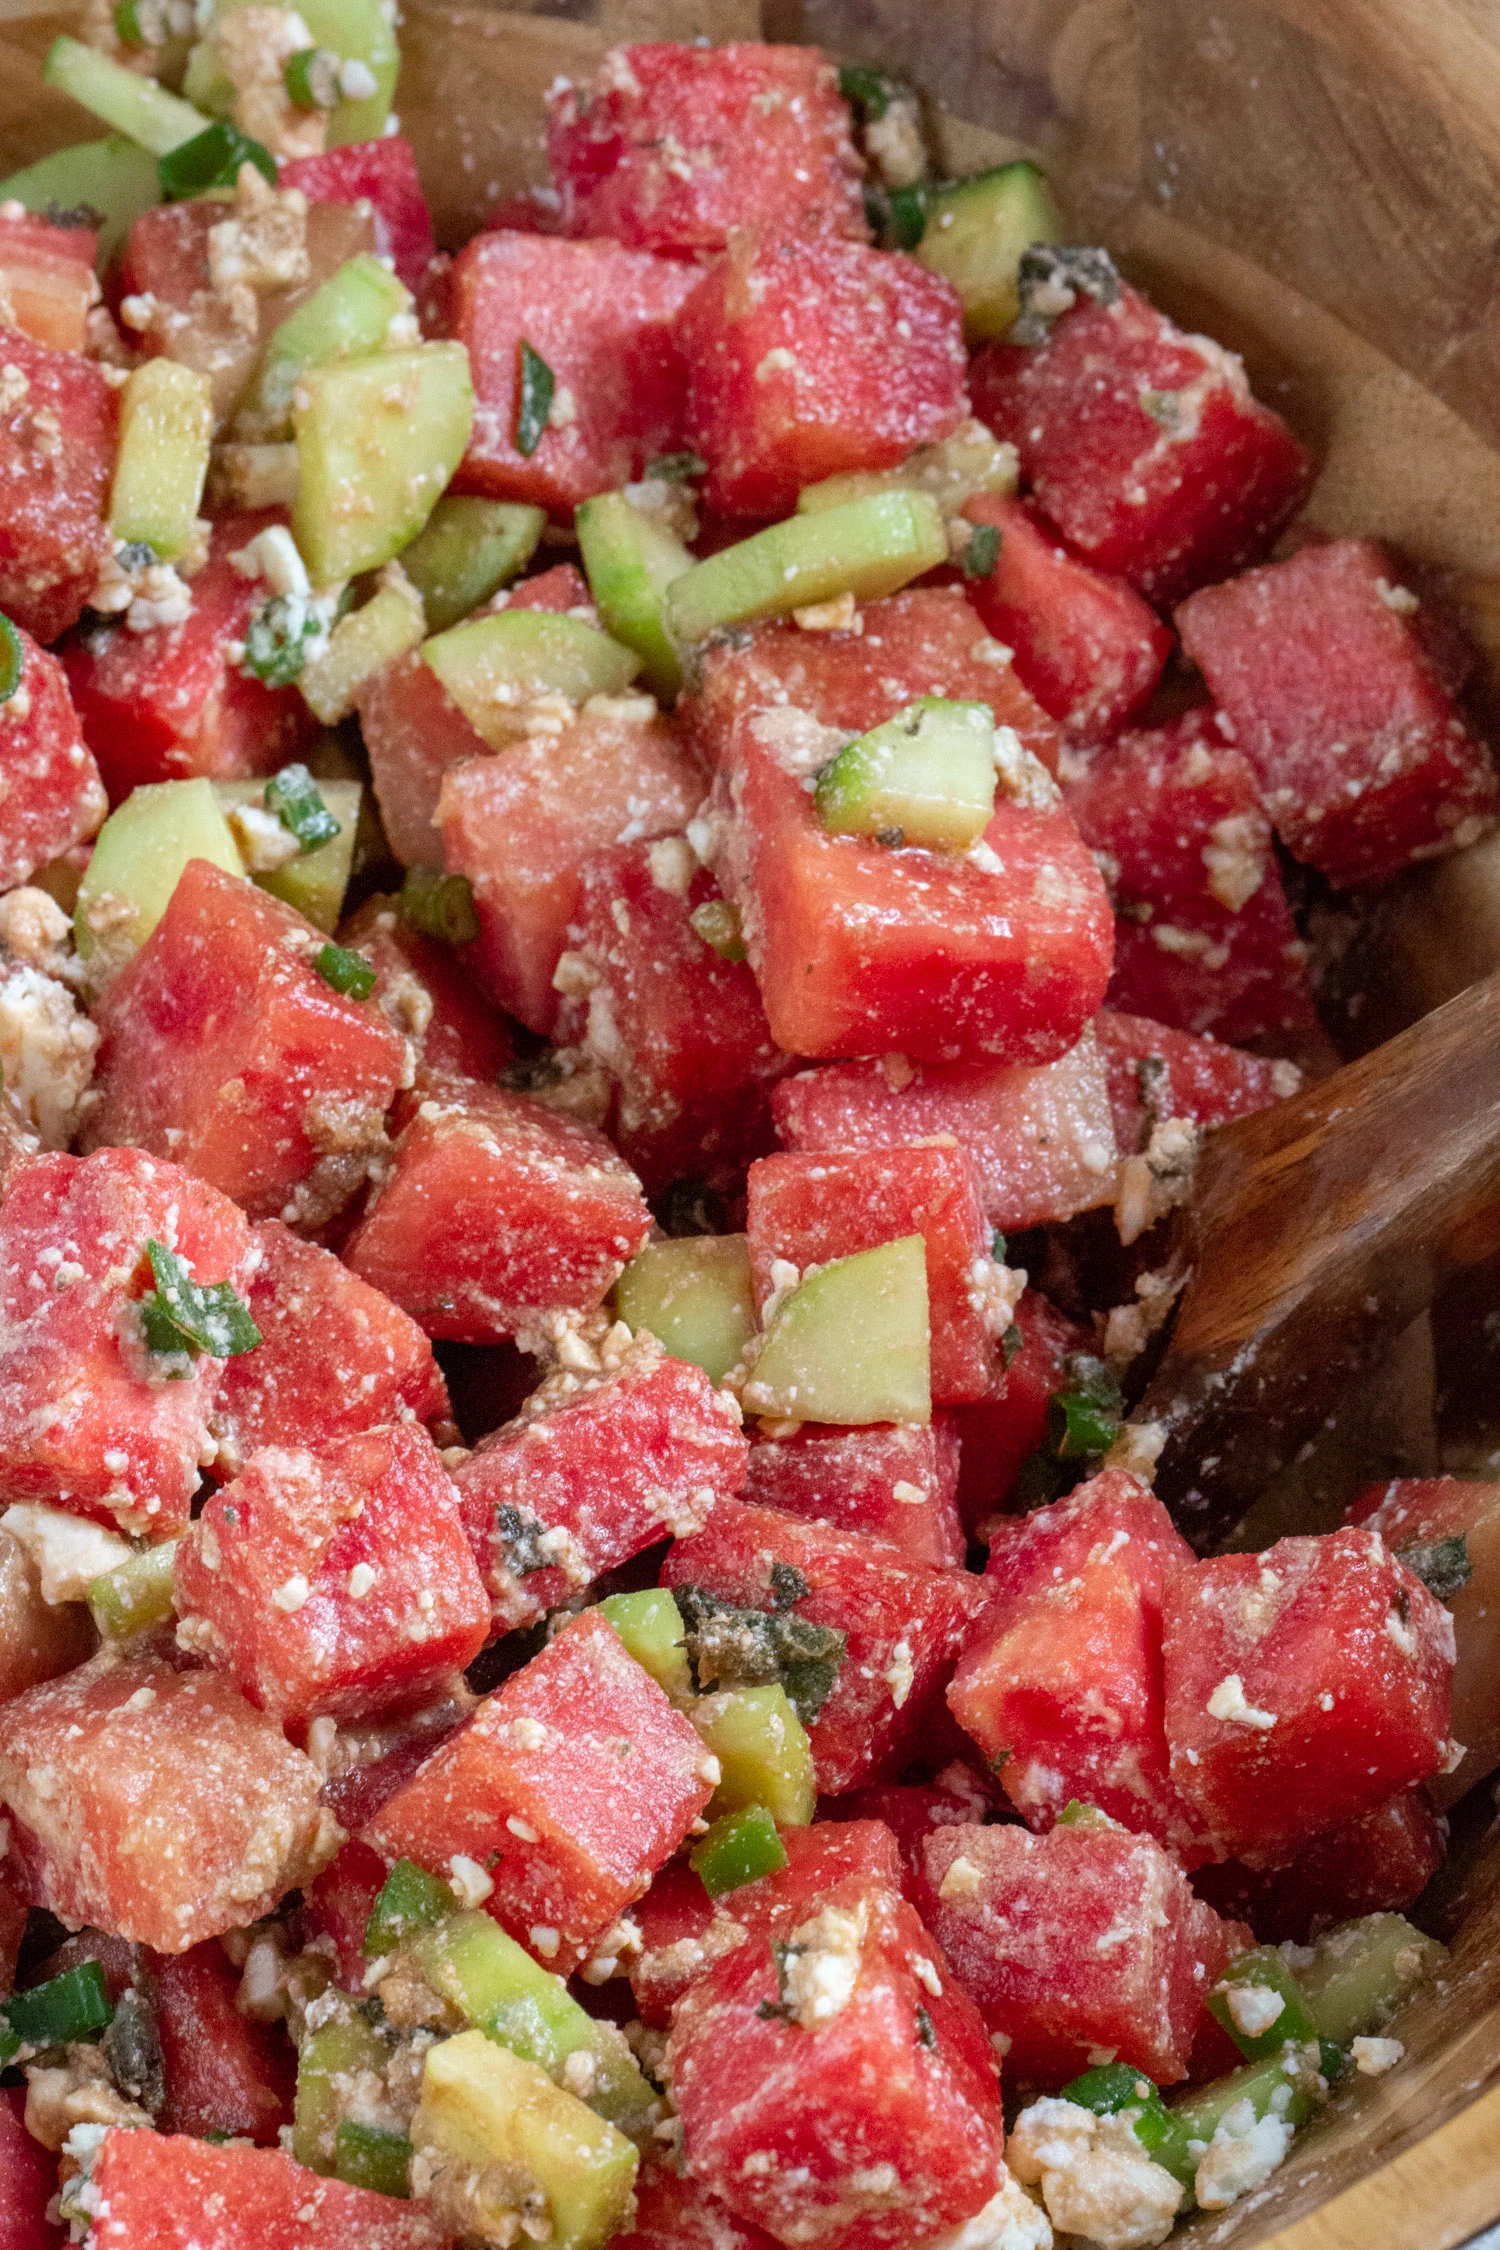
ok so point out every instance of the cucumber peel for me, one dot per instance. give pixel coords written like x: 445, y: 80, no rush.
x: 852, y: 1344
x: 926, y: 777
x: 868, y: 547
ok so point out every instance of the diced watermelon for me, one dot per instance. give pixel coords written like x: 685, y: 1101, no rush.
x: 156, y: 1803
x: 166, y: 252
x: 863, y: 2120
x: 894, y: 1480
x: 1086, y: 644
x: 520, y: 827
x: 383, y: 173
x: 806, y: 359
x: 1156, y: 1072
x: 1060, y: 1683
x: 807, y: 1210
x: 28, y: 2181
x: 58, y: 421
x: 911, y: 1811
x: 337, y: 1580
x: 926, y: 641
x: 225, y: 2074
x: 86, y: 1423
x: 361, y: 1783
x: 335, y: 1356
x: 170, y: 703
x: 1144, y: 445
x: 1304, y: 1685
x: 53, y: 797
x: 572, y: 1784
x: 497, y: 1213
x: 680, y: 1030
x: 1331, y: 692
x: 424, y: 991
x: 1379, y: 1862
x: 560, y: 589
x: 338, y: 1904
x: 1081, y: 1940
x: 674, y: 2213
x: 1204, y: 937
x: 904, y: 1624
x: 413, y: 734
x: 673, y: 147
x: 225, y: 1049
x: 997, y: 1433
x: 158, y: 2191
x: 1041, y: 1137
x: 862, y: 949
x: 603, y: 319
x: 47, y: 274
x: 684, y: 1931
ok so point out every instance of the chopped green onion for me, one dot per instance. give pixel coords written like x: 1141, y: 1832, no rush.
x: 1443, y: 1565
x: 128, y: 27
x: 409, y: 1899
x: 297, y: 802
x: 311, y: 77
x: 135, y: 1594
x: 1083, y: 1421
x: 66, y: 2008
x: 180, y: 1316
x: 213, y: 159
x: 906, y: 220
x: 440, y: 906
x: 538, y: 384
x: 347, y: 971
x: 981, y: 551
x: 1110, y: 2087
x: 738, y: 1849
x: 276, y: 641
x: 717, y: 922
x: 677, y: 468
x: 12, y: 659
x: 868, y: 92
x: 372, y: 2156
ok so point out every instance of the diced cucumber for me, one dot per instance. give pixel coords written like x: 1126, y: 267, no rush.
x: 650, y: 1625
x: 498, y: 1989
x: 372, y: 2156
x: 333, y: 2054
x: 975, y: 233
x: 134, y: 1594
x: 866, y: 548
x: 315, y: 882
x: 695, y: 1295
x: 505, y: 2123
x: 115, y: 177
x: 925, y: 777
x: 166, y: 421
x: 360, y: 645
x: 348, y: 318
x: 135, y: 106
x: 468, y: 550
x: 738, y: 1849
x: 354, y: 30
x: 493, y: 665
x: 67, y: 2007
x: 764, y: 1755
x: 409, y: 1900
x: 1262, y: 1970
x: 973, y: 460
x: 377, y: 440
x: 142, y: 849
x: 852, y: 1344
x: 1363, y: 1971
x: 1287, y: 2085
x: 631, y: 561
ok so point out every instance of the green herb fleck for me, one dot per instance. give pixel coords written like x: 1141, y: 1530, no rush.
x: 518, y: 1534
x: 731, y: 1647
x: 12, y: 659
x: 440, y: 906
x: 1443, y: 1565
x: 297, y: 802
x: 311, y: 77
x: 869, y: 93
x: 179, y: 1316
x: 1010, y: 1343
x: 347, y: 971
x: 981, y: 550
x: 276, y: 642
x: 212, y: 159
x: 677, y: 468
x: 538, y: 386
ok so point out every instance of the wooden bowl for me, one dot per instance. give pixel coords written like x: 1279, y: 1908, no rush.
x: 1317, y: 184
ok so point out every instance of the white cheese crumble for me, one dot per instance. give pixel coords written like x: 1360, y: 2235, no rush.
x: 1095, y: 2177
x: 1373, y: 2057
x: 1253, y: 2008
x: 66, y: 1551
x: 1243, y: 2153
x: 291, y: 1595
x: 822, y: 1965
x: 1228, y: 1703
x: 47, y: 1048
x: 470, y: 1883
x: 1009, y: 2221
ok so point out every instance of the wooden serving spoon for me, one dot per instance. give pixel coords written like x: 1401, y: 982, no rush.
x: 1317, y: 1230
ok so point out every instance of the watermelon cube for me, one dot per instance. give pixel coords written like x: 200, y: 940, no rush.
x: 1380, y: 1862
x: 225, y: 2074
x: 358, y: 1783
x: 806, y: 359
x: 997, y: 1432
x: 38, y: 1638
x: 47, y: 273
x: 58, y: 420
x: 53, y: 797
x: 911, y: 1810
x: 1077, y: 1945
x: 1204, y: 937
x: 224, y: 1048
x: 672, y: 147
x: 1304, y: 1685
x: 334, y: 1580
x: 413, y: 733
x: 1331, y: 691
x: 680, y: 1029
x: 603, y: 319
x: 337, y: 1905
x: 28, y: 2181
x: 161, y: 2191
x: 497, y: 1214
x: 521, y: 826
x: 383, y: 174
x: 571, y: 1785
x: 904, y: 1624
x: 156, y: 1803
x: 1088, y: 647
x: 1061, y: 1682
x: 86, y: 1421
x: 595, y: 1468
x: 559, y: 590
x: 1143, y: 445
x: 425, y: 993
x: 675, y: 2213
x: 1156, y: 1072
x: 839, y: 2091
x: 894, y: 1480
x: 808, y: 1210
x: 335, y: 1356
x: 173, y: 702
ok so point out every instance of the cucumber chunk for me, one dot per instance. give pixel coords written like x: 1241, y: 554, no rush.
x: 1261, y: 1972
x: 354, y: 30
x: 135, y: 1594
x: 925, y: 777
x: 852, y: 1344
x: 650, y: 1625
x: 115, y: 177
x: 139, y: 853
x: 331, y: 2056
x: 953, y: 471
x: 764, y: 1755
x: 409, y: 1900
x: 377, y: 440
x: 1362, y: 1972
x: 867, y: 548
x: 372, y: 2156
x: 468, y: 550
x: 738, y: 1849
x: 348, y: 318
x: 493, y: 665
x: 135, y: 106
x: 1288, y: 2085
x: 631, y: 561
x: 695, y: 1296
x: 360, y: 645
x: 166, y: 422
x: 315, y: 882
x: 503, y: 2123
x: 975, y: 233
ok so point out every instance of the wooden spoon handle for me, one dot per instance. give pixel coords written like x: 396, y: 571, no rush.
x: 1317, y: 1230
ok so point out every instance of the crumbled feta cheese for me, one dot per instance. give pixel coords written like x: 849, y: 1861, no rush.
x: 1228, y: 1703
x: 470, y: 1883
x: 798, y: 742
x: 1021, y: 776
x: 291, y: 1595
x: 1242, y: 2155
x: 544, y: 1940
x: 673, y: 864
x: 1373, y: 2057
x: 67, y: 1551
x: 1253, y: 2008
x: 841, y: 615
x: 361, y: 1579
x: 47, y: 1049
x: 1401, y: 599
x: 1009, y: 2221
x: 265, y: 841
x: 251, y: 48
x: 900, y: 1674
x: 962, y: 1880
x: 909, y: 1495
x: 1095, y: 2177
x: 822, y: 1965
